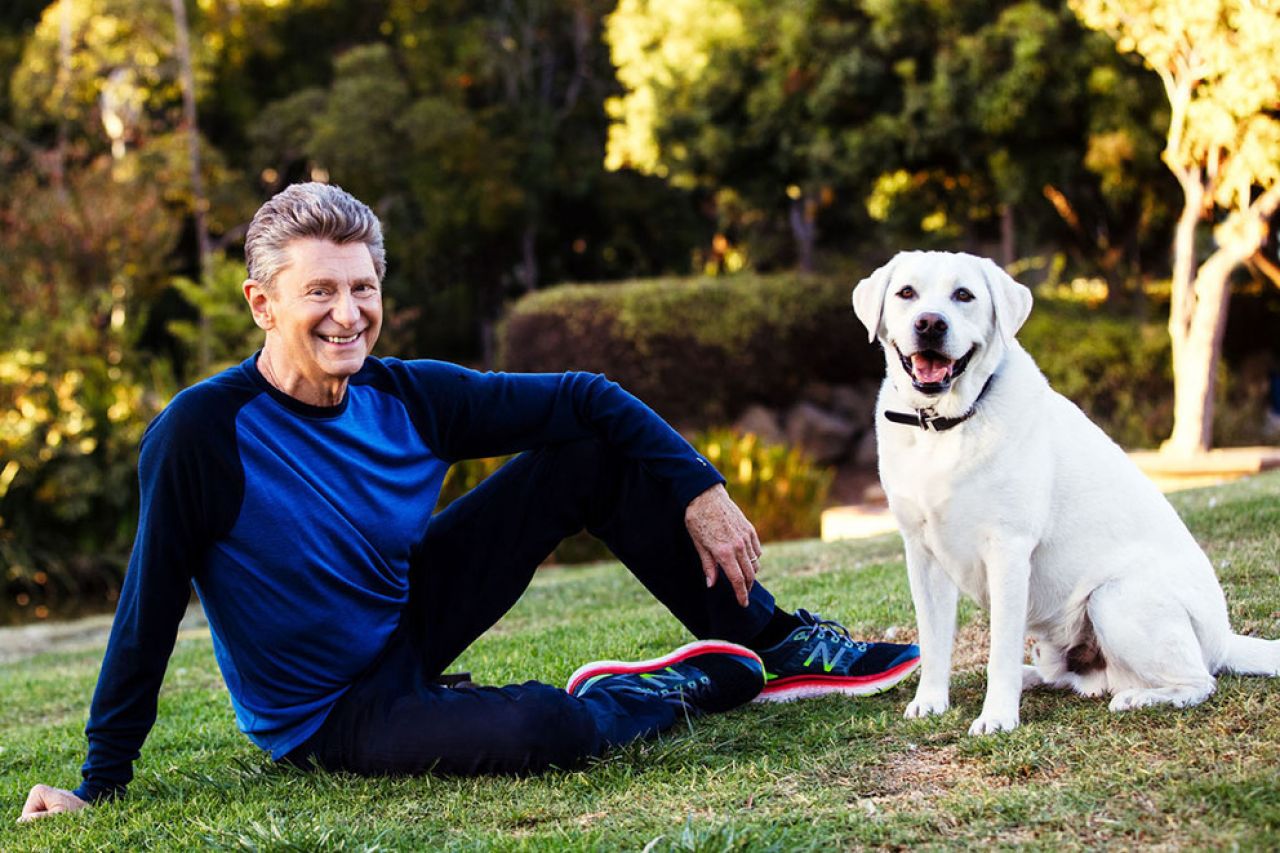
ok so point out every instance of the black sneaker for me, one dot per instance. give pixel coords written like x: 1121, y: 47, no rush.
x: 705, y: 677
x: 820, y: 657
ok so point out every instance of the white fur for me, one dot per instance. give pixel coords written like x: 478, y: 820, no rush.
x: 1030, y: 510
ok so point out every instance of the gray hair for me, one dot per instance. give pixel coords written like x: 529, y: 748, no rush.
x: 310, y: 210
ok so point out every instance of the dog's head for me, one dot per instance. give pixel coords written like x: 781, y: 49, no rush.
x: 940, y: 316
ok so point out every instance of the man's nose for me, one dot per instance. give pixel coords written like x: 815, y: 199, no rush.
x: 345, y: 310
x: 931, y: 325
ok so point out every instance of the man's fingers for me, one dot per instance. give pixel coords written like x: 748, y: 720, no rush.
x: 44, y: 801
x: 732, y: 564
x: 708, y: 566
x: 35, y: 805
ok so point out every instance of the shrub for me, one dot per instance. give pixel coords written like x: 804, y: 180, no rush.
x: 1118, y: 370
x: 68, y: 479
x: 779, y: 489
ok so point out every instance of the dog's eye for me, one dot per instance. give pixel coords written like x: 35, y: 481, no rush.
x: 907, y: 292
x: 962, y: 295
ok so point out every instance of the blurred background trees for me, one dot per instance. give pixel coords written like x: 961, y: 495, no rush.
x: 509, y: 145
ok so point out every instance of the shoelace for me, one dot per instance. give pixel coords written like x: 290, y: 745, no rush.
x: 830, y: 628
x: 676, y: 683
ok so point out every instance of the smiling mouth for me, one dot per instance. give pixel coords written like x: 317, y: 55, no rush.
x: 338, y: 339
x: 931, y: 371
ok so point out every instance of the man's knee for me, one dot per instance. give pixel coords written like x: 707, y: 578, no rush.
x: 540, y: 727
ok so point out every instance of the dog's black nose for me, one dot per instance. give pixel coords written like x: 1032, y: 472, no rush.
x: 931, y: 325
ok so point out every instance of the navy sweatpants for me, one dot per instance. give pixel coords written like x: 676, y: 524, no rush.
x: 478, y: 557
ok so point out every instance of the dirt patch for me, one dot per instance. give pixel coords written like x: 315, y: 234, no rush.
x: 919, y: 775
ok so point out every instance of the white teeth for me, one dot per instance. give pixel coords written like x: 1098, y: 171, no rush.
x: 336, y: 340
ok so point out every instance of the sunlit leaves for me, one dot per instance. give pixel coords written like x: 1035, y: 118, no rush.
x: 660, y: 47
x: 119, y: 52
x: 1220, y: 63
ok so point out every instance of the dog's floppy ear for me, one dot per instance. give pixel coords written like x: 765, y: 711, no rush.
x: 1010, y: 301
x: 868, y: 298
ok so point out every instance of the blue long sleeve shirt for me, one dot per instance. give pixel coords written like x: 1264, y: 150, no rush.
x: 296, y: 523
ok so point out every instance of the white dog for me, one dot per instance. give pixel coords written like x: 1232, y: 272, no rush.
x: 1004, y: 490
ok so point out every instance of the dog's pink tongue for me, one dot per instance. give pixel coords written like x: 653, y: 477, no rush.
x: 928, y: 369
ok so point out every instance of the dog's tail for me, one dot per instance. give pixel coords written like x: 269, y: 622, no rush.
x: 1252, y: 656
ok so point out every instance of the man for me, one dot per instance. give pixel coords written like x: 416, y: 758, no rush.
x: 296, y: 491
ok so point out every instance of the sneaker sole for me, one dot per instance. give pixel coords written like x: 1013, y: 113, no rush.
x: 620, y: 667
x: 809, y: 686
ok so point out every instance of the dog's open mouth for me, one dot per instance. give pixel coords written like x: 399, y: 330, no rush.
x: 932, y: 372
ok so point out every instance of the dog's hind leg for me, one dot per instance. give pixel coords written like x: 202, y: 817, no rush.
x: 1153, y: 656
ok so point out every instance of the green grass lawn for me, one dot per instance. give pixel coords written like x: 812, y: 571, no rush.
x: 829, y: 773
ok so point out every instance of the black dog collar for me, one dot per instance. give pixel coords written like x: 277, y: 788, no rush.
x: 928, y: 419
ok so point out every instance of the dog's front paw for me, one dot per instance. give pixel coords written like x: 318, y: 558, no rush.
x: 926, y: 706
x: 989, y: 724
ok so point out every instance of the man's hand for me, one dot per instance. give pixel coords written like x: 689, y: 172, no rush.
x: 724, y: 538
x: 44, y: 801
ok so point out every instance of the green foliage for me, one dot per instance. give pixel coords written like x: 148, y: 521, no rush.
x: 941, y: 116
x: 232, y: 334
x: 777, y: 487
x: 68, y: 469
x: 1116, y: 369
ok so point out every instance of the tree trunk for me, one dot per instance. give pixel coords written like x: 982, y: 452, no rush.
x: 199, y: 202
x: 1008, y: 236
x: 804, y: 229
x: 1198, y: 315
x: 64, y: 85
x: 528, y: 272
x: 1197, y: 349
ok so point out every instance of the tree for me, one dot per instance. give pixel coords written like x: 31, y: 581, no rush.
x: 1219, y: 61
x: 921, y: 122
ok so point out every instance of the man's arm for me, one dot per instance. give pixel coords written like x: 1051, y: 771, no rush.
x: 464, y: 414
x: 175, y: 474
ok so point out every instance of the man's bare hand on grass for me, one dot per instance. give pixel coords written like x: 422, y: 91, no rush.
x: 44, y: 801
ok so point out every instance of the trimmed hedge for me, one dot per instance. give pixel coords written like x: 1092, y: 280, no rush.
x: 700, y: 350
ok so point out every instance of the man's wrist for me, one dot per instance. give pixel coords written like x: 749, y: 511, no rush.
x: 93, y: 793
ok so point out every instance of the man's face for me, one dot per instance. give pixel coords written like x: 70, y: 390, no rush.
x: 322, y: 317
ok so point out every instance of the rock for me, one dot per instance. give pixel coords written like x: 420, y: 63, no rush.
x: 763, y: 422
x: 857, y: 403
x: 866, y: 455
x: 820, y: 394
x: 821, y: 434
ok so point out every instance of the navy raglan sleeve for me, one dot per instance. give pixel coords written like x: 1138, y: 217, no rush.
x: 465, y: 414
x: 185, y: 486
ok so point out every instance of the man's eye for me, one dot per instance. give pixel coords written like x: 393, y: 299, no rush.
x: 907, y: 292
x: 962, y: 295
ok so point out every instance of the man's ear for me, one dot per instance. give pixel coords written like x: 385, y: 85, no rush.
x: 259, y: 303
x: 1010, y: 301
x: 868, y: 297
